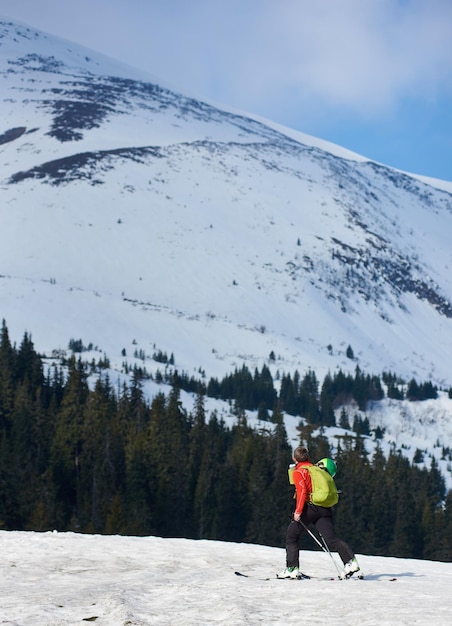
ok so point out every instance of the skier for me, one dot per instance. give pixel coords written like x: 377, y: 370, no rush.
x: 307, y: 513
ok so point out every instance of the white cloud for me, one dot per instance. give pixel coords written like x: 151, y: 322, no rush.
x: 363, y: 56
x: 359, y: 56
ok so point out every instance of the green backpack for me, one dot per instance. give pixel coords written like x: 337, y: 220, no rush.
x: 324, y: 492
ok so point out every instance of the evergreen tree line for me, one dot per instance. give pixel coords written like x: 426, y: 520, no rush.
x: 303, y: 396
x: 101, y: 460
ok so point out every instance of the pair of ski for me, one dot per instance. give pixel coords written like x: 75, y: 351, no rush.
x: 300, y: 577
x: 306, y: 577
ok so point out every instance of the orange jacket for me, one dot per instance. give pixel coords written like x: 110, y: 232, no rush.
x: 303, y: 485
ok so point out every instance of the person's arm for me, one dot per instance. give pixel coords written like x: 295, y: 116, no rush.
x: 302, y: 491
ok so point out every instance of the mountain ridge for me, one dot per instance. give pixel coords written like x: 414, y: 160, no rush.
x: 337, y: 223
x: 134, y: 217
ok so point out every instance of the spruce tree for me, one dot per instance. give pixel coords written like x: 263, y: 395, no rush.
x: 98, y: 471
x: 7, y: 377
x: 67, y: 446
x: 380, y: 525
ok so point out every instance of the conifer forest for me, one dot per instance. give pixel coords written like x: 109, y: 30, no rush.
x: 92, y: 458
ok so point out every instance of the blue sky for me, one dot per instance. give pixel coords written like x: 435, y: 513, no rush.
x: 374, y: 76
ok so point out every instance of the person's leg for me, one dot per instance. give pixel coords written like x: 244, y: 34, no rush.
x: 293, y: 534
x: 326, y: 528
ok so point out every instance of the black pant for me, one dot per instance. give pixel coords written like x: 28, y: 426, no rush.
x: 322, y: 519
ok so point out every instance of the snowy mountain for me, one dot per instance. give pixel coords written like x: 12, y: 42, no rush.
x: 134, y: 217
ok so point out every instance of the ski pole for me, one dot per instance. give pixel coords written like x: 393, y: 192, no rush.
x: 312, y: 535
x: 338, y: 570
x: 324, y: 547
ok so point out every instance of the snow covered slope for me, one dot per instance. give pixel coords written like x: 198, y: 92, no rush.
x: 66, y: 579
x: 134, y: 217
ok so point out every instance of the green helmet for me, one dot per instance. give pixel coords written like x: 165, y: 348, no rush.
x: 329, y: 465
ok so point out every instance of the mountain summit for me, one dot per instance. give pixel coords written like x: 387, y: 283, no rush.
x: 132, y: 215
